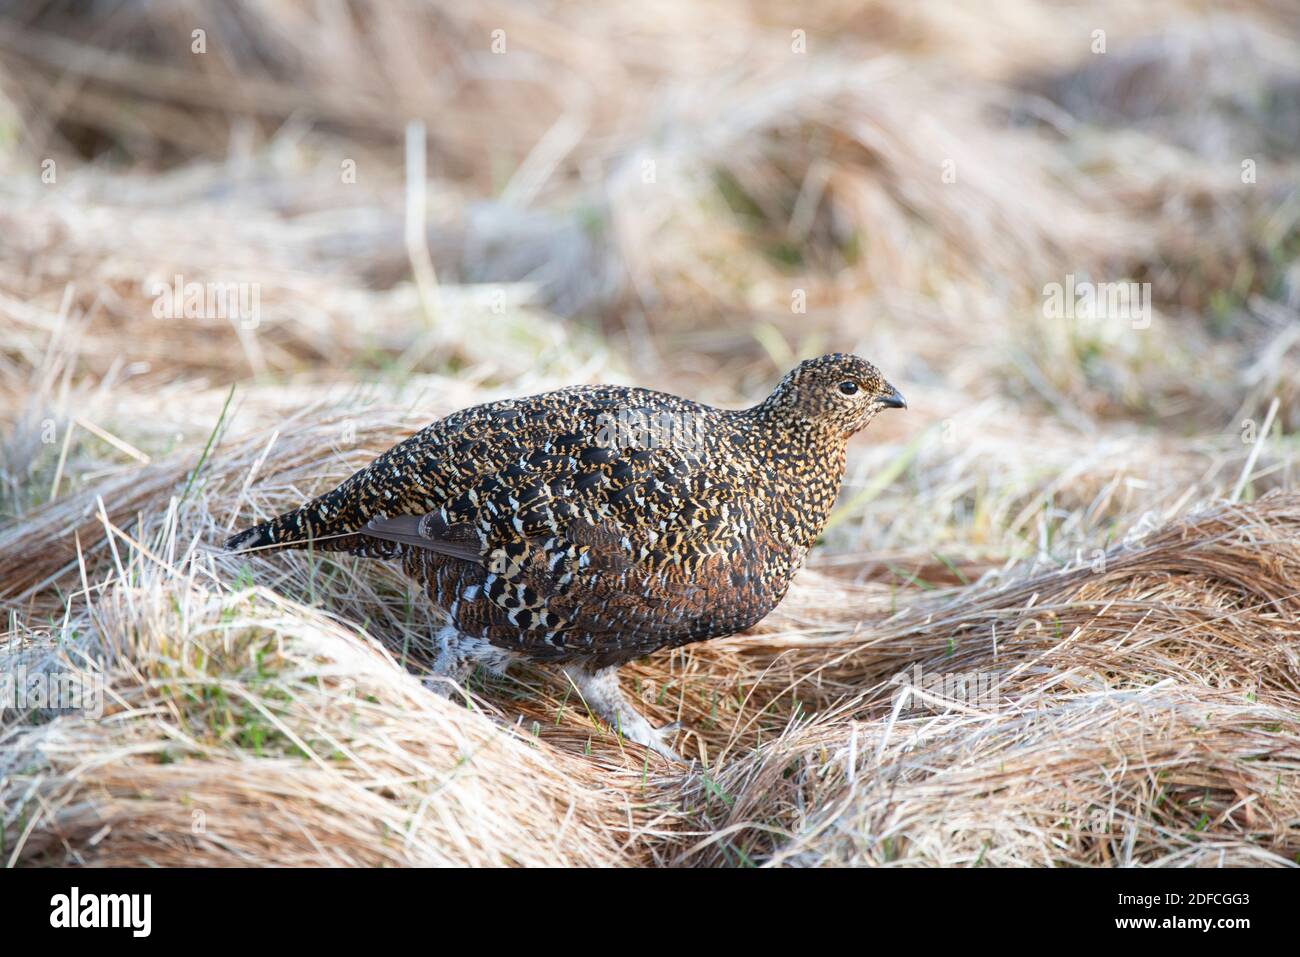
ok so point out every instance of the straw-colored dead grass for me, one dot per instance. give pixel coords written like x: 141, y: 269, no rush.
x: 244, y: 729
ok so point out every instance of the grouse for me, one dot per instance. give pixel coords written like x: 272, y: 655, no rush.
x: 596, y: 524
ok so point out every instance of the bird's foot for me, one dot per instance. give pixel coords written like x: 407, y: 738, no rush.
x: 602, y: 695
x: 635, y: 727
x: 444, y: 685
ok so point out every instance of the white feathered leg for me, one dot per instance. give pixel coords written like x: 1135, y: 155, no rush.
x: 458, y: 653
x: 600, y: 691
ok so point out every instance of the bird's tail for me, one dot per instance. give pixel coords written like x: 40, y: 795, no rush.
x: 327, y: 522
x: 299, y: 528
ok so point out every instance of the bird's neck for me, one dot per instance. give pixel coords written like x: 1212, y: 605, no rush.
x: 801, y: 463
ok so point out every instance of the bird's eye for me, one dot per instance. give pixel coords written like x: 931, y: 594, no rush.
x: 849, y: 387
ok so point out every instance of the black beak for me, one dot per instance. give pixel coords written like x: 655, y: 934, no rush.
x: 893, y: 400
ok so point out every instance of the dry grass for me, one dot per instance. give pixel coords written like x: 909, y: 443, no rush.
x: 1095, y: 516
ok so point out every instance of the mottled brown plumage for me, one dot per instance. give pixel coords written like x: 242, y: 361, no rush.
x: 596, y: 524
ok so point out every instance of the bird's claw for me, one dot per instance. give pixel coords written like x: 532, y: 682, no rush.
x: 654, y: 739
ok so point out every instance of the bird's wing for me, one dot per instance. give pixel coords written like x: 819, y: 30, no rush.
x: 430, y: 531
x: 442, y: 463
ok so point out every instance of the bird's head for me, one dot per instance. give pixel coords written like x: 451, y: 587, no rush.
x: 839, y: 391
